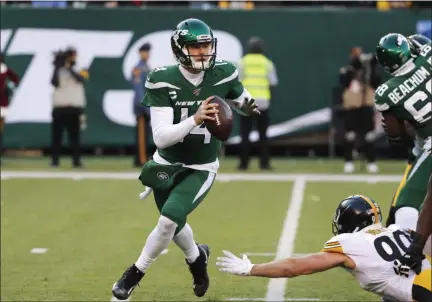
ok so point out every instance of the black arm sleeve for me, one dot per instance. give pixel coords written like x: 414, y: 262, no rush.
x: 54, y: 79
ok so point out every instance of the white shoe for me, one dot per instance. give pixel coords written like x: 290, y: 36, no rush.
x: 349, y: 167
x: 372, y: 168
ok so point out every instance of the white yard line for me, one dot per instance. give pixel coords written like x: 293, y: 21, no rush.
x: 276, y: 287
x: 264, y: 299
x: 38, y: 250
x: 220, y: 177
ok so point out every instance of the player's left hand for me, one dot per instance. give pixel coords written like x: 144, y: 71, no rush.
x: 245, y: 107
x: 234, y: 265
x: 249, y: 107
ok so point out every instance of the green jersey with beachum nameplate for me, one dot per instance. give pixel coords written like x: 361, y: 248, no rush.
x: 408, y: 97
x: 167, y: 87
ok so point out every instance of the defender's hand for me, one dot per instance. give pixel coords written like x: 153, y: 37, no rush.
x: 413, y: 257
x: 204, y: 110
x: 234, y: 265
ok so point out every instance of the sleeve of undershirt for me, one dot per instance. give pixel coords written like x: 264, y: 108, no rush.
x: 165, y: 133
x: 272, y: 75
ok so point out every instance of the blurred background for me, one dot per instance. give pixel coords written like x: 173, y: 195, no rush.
x: 73, y: 139
x: 306, y: 116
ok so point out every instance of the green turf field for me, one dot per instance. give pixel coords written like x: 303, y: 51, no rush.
x: 95, y: 228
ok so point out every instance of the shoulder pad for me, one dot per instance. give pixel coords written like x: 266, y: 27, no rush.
x: 335, y: 244
x: 226, y: 66
x: 159, y: 73
x: 160, y: 78
x: 226, y: 72
x: 380, y: 98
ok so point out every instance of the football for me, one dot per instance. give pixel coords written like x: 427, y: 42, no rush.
x: 222, y: 126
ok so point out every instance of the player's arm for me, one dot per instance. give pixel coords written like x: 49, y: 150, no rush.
x: 424, y: 223
x: 286, y: 268
x: 394, y: 128
x: 293, y: 267
x: 413, y: 257
x: 165, y: 132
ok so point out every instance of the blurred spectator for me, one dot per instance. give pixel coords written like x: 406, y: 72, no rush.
x: 358, y: 81
x: 259, y: 77
x: 142, y: 113
x: 386, y: 5
x: 111, y: 4
x: 247, y: 5
x: 202, y: 4
x: 8, y: 81
x: 68, y: 105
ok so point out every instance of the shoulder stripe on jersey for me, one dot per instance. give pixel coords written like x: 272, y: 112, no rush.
x: 382, y: 107
x: 227, y: 79
x: 158, y: 85
x: 333, y: 249
x: 332, y: 243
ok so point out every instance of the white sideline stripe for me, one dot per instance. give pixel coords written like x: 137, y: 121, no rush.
x: 38, y: 250
x: 113, y: 299
x: 219, y: 177
x: 263, y: 299
x: 276, y: 287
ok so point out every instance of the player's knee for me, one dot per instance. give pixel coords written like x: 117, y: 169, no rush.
x: 370, y: 137
x: 166, y: 227
x: 406, y: 217
x: 179, y: 228
x: 350, y: 136
x: 176, y: 213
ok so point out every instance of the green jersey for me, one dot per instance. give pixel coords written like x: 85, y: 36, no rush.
x: 408, y: 96
x: 167, y: 87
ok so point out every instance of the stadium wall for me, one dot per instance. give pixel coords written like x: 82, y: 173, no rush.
x: 308, y: 46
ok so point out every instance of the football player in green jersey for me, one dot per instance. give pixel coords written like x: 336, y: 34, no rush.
x: 406, y: 97
x: 185, y: 164
x: 417, y: 42
x: 412, y: 259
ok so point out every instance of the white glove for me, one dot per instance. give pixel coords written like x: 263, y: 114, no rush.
x: 146, y: 193
x: 234, y: 265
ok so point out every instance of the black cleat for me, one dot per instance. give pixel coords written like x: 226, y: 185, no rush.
x: 198, y: 270
x: 124, y: 287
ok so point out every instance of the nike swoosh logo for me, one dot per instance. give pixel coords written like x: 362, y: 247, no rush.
x: 205, y: 254
x: 132, y: 288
